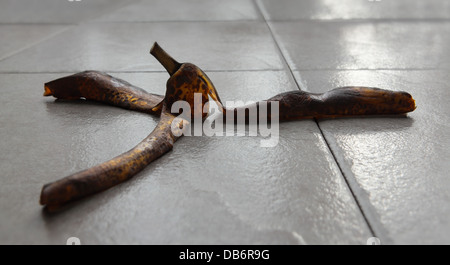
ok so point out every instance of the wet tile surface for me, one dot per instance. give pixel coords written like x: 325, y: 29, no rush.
x: 182, y: 10
x: 16, y: 38
x: 55, y: 11
x: 398, y: 166
x: 200, y: 193
x: 125, y: 47
x: 355, y: 9
x: 365, y: 45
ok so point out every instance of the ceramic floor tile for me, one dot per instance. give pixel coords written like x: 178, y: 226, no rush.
x: 55, y: 11
x: 398, y: 166
x: 207, y: 190
x: 125, y: 47
x: 16, y: 38
x: 364, y: 45
x: 181, y: 10
x: 355, y: 9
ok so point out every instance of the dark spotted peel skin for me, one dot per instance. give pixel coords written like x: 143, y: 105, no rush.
x: 343, y: 102
x: 187, y: 81
x: 114, y: 171
x: 101, y: 87
x: 339, y: 102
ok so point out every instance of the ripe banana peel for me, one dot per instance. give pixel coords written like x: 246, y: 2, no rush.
x: 185, y: 80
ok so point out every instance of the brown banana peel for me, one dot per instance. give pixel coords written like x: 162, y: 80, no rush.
x: 185, y: 80
x: 101, y: 87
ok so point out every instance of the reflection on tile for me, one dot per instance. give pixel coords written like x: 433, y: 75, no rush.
x: 349, y: 45
x: 400, y: 163
x: 243, y: 194
x: 355, y: 9
x: 18, y: 37
x: 118, y: 47
x: 55, y: 11
x: 181, y: 10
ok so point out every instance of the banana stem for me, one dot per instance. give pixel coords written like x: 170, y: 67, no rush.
x: 165, y: 59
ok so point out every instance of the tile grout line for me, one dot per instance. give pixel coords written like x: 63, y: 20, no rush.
x: 350, y: 187
x: 37, y: 24
x: 353, y: 20
x: 174, y: 21
x: 280, y: 53
x: 66, y: 28
x: 35, y: 43
x: 369, y: 69
x: 365, y: 20
x: 226, y: 71
x: 369, y: 212
x: 138, y: 72
x: 361, y: 210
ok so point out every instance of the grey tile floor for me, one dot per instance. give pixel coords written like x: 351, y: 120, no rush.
x: 327, y: 182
